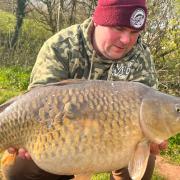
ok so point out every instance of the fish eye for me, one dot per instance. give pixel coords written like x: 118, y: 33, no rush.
x: 177, y: 108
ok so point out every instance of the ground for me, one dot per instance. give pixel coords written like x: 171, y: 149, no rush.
x: 167, y: 170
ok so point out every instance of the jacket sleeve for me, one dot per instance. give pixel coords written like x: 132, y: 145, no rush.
x: 51, y: 64
x: 145, y: 71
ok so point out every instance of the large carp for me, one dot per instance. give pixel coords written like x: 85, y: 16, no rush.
x: 81, y: 127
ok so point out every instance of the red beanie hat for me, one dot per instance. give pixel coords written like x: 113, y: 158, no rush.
x: 129, y: 13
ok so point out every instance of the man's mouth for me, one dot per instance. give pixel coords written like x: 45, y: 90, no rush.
x: 119, y: 47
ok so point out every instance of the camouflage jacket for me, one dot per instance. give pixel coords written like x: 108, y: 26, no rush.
x: 69, y: 54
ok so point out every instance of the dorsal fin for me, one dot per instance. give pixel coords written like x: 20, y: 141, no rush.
x: 7, y: 103
x: 10, y: 101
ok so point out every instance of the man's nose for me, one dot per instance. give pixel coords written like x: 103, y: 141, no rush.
x: 125, y: 38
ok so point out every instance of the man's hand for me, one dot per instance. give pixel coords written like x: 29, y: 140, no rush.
x: 22, y: 153
x: 156, y: 148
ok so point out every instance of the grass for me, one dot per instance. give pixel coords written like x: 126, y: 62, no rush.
x: 102, y: 176
x: 13, y: 81
x: 14, y: 77
x: 173, y: 151
x: 6, y: 94
x: 157, y: 176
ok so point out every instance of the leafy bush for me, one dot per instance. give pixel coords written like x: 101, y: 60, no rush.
x: 173, y: 151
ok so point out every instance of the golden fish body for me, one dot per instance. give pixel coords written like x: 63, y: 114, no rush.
x: 88, y: 126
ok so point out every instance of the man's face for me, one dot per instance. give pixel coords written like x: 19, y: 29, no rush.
x: 114, y: 42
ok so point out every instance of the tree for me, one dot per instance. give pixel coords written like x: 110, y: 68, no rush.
x: 162, y: 36
x: 58, y: 14
x: 8, y: 5
x: 20, y: 14
x: 47, y: 12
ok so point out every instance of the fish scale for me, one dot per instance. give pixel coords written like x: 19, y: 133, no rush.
x: 82, y: 126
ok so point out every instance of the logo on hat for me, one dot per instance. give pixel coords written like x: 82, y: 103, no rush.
x: 138, y: 18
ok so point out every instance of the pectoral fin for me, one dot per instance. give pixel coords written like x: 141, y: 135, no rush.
x: 139, y: 160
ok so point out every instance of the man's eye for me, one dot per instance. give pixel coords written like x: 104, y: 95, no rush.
x: 118, y: 29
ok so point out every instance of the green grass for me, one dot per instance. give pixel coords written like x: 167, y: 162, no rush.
x: 7, y: 94
x: 14, y: 78
x: 157, y: 176
x: 173, y: 151
x: 102, y: 176
x: 13, y: 81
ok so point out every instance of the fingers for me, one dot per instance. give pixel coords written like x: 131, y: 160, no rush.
x: 27, y: 156
x: 156, y: 148
x: 22, y: 153
x: 163, y: 145
x: 12, y: 150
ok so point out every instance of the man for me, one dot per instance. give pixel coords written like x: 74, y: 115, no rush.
x: 107, y: 46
